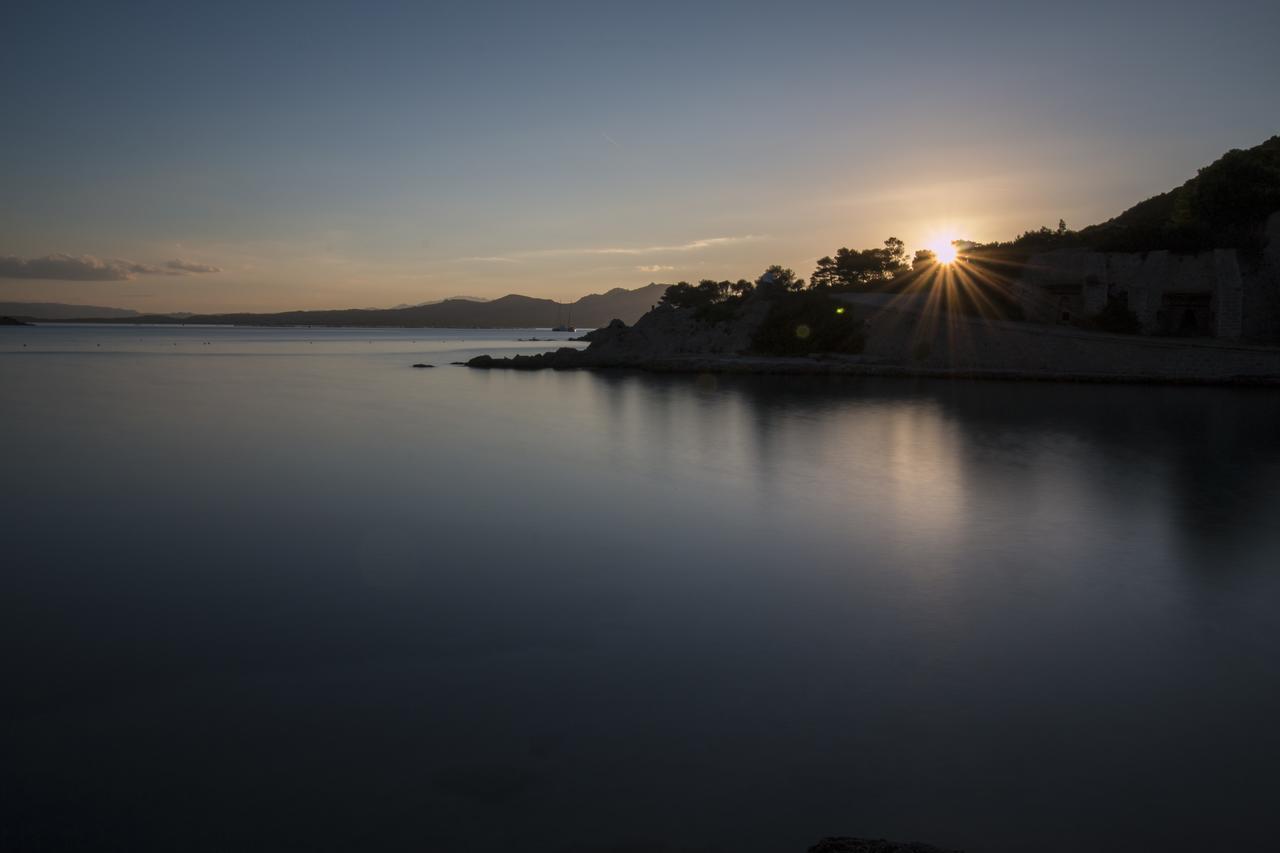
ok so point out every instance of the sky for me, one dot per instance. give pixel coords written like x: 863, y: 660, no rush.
x: 271, y: 156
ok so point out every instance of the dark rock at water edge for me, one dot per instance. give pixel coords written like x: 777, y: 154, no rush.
x: 424, y: 365
x: 664, y: 333
x: 14, y: 321
x: 873, y: 845
x: 562, y: 359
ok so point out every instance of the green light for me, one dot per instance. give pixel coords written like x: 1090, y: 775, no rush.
x: 839, y: 310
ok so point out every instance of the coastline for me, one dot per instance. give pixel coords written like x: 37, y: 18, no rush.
x: 902, y: 342
x: 836, y: 365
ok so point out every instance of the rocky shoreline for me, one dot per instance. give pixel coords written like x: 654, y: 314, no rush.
x: 670, y: 340
x: 843, y: 844
x: 841, y: 366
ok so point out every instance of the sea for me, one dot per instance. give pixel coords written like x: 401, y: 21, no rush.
x: 279, y: 590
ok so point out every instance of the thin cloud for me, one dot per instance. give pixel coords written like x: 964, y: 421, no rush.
x: 68, y: 268
x: 487, y: 259
x: 654, y: 268
x: 181, y: 266
x: 62, y: 267
x: 691, y: 246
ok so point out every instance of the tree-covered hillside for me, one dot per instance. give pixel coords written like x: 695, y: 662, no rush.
x: 1224, y: 206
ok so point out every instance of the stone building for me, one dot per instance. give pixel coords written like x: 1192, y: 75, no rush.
x: 1219, y: 293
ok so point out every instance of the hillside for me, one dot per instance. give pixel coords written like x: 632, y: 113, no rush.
x: 509, y: 312
x: 1225, y: 205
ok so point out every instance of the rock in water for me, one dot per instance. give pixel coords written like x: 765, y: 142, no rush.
x: 562, y: 359
x: 424, y: 365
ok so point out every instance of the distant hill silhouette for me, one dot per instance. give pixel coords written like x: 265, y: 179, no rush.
x: 61, y: 311
x: 435, y: 302
x: 508, y: 312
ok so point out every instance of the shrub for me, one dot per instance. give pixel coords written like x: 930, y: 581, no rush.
x: 803, y: 323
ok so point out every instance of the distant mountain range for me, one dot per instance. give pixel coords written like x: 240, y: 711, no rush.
x: 508, y: 312
x: 436, y: 302
x: 61, y: 311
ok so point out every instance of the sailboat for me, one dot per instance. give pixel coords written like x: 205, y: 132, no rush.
x: 567, y: 325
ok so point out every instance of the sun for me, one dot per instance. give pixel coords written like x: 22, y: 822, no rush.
x: 944, y: 249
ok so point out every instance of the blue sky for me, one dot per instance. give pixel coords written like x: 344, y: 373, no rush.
x: 362, y: 154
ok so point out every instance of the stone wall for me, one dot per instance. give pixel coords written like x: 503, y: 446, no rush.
x: 1200, y: 294
x: 1262, y: 290
x: 1228, y: 296
x: 1223, y: 293
x: 964, y: 344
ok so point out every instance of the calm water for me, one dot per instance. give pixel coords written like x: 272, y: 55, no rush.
x: 270, y: 590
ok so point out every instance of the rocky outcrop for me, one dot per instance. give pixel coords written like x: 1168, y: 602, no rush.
x: 873, y: 845
x: 615, y: 326
x: 667, y: 332
x: 14, y: 321
x: 664, y: 334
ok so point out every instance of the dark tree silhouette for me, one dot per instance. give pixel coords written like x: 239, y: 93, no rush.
x: 712, y: 300
x: 778, y: 279
x: 826, y: 276
x: 853, y: 269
